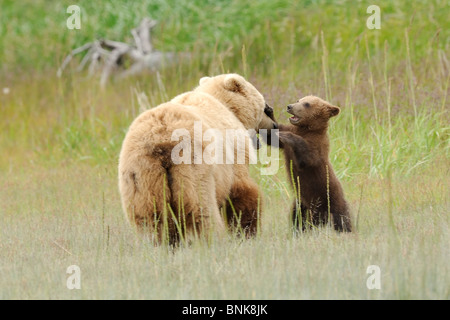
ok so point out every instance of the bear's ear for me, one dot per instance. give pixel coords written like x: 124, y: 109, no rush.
x: 203, y: 80
x: 333, y: 110
x: 233, y: 83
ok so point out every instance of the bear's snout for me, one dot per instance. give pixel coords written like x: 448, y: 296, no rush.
x: 289, y: 107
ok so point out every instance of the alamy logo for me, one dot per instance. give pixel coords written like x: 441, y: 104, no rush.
x: 374, y: 21
x: 374, y: 280
x: 229, y: 146
x: 74, y: 21
x: 74, y: 280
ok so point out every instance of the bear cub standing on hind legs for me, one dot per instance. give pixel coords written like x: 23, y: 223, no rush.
x: 306, y: 148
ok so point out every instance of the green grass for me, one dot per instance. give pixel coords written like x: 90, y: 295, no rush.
x: 60, y: 139
x: 56, y: 219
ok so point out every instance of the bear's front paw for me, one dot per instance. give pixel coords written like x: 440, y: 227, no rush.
x: 285, y: 137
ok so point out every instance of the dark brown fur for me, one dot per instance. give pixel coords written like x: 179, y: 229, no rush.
x: 242, y: 208
x: 306, y: 149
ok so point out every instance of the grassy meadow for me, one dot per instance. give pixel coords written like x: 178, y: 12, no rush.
x: 390, y: 146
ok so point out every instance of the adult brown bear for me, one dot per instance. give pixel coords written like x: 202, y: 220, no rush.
x: 170, y: 199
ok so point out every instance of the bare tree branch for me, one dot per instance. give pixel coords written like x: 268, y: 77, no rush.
x: 110, y: 55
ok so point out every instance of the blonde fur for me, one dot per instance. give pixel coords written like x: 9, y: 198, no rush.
x: 179, y: 201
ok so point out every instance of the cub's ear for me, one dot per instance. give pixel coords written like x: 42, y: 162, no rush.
x: 203, y: 80
x: 233, y: 83
x: 333, y: 110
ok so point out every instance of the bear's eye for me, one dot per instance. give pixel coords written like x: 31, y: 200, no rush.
x: 306, y: 105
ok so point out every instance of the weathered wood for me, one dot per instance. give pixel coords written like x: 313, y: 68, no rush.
x: 109, y: 55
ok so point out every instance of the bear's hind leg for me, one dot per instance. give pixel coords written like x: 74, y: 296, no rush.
x: 243, y: 208
x: 342, y: 221
x: 194, y: 210
x: 205, y: 221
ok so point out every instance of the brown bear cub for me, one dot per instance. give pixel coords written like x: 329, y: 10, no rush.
x: 306, y: 149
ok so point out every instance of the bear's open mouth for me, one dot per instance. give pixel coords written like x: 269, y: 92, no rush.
x: 294, y: 119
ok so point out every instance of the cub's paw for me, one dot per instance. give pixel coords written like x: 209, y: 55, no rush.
x: 286, y: 137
